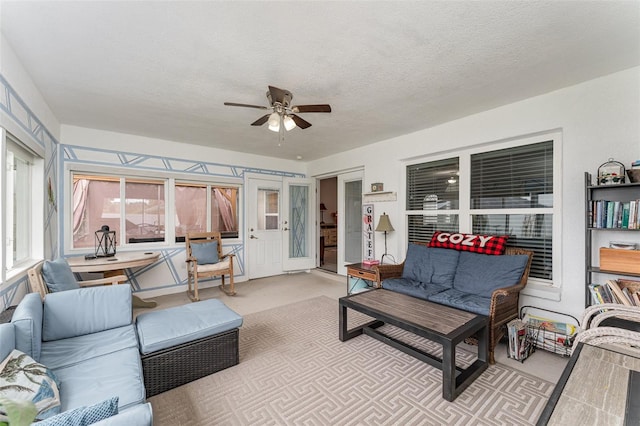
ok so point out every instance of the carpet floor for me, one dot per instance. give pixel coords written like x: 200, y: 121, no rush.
x: 294, y: 370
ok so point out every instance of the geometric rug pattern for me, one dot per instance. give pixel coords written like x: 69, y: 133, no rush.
x: 295, y: 371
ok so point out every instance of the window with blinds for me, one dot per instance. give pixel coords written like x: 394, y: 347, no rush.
x: 433, y: 189
x: 512, y: 194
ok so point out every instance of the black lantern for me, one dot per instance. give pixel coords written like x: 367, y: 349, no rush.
x: 105, y: 242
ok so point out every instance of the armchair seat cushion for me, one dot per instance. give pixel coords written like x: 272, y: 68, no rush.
x: 223, y: 265
x: 466, y: 301
x: 412, y: 287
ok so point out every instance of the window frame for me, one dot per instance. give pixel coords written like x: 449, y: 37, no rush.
x: 170, y: 179
x: 35, y: 239
x: 465, y: 213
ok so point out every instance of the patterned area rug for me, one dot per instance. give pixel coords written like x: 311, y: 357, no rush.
x: 294, y: 370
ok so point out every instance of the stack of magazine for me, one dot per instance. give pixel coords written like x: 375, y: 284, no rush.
x: 520, y: 344
x: 549, y: 334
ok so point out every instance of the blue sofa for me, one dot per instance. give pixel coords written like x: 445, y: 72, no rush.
x: 479, y: 283
x: 88, y: 339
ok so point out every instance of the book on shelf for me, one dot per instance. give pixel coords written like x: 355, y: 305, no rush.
x: 619, y: 294
x: 614, y: 214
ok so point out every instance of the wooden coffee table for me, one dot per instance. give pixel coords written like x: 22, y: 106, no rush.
x: 441, y: 324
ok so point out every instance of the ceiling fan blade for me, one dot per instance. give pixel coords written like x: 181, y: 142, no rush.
x: 303, y: 124
x: 277, y: 95
x: 260, y: 121
x: 312, y: 108
x: 245, y: 105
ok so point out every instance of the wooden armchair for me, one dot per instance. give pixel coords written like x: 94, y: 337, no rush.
x: 220, y: 265
x: 504, y: 301
x: 37, y: 283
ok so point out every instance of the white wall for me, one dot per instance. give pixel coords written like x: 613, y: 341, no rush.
x: 599, y: 119
x: 27, y: 116
x: 12, y: 70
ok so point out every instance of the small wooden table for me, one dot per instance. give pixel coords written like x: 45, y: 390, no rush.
x: 441, y: 324
x: 115, y: 265
x: 360, y: 271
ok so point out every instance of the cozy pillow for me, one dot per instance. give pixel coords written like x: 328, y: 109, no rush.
x: 83, y: 416
x: 21, y: 378
x: 58, y: 276
x: 487, y: 244
x: 205, y: 253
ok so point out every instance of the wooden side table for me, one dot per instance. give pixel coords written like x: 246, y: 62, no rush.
x: 369, y: 275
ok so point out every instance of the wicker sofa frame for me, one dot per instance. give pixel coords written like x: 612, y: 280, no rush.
x: 504, y: 301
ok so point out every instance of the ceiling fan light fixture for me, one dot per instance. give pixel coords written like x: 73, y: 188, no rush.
x: 274, y: 122
x: 288, y: 123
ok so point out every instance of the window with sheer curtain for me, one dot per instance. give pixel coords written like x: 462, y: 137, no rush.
x: 145, y: 216
x: 506, y: 191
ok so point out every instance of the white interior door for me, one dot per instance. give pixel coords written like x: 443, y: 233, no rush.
x: 349, y: 219
x: 299, y: 251
x: 264, y: 227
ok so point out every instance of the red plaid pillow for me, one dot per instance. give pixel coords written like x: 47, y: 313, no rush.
x: 487, y: 244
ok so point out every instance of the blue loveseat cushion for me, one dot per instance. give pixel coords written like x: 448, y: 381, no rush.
x: 461, y: 300
x: 170, y: 327
x: 481, y: 274
x: 95, y: 379
x: 412, y: 287
x: 430, y: 265
x: 101, y: 308
x: 75, y: 350
x: 58, y: 276
x: 96, y: 366
x: 27, y: 322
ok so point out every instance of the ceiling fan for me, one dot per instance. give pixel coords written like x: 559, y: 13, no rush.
x: 284, y: 114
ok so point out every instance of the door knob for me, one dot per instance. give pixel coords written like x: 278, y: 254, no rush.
x: 285, y: 229
x: 253, y: 237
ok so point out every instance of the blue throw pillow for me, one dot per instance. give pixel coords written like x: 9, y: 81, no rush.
x: 205, y: 253
x: 83, y: 416
x: 58, y: 276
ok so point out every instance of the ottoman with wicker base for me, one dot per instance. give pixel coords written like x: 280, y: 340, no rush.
x: 182, y: 344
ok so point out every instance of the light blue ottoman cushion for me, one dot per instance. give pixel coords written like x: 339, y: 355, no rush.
x: 171, y: 327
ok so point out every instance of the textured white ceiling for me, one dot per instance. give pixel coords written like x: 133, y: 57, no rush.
x: 164, y: 69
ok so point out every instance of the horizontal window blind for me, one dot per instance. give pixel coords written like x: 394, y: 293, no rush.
x: 528, y: 231
x: 518, y: 177
x: 422, y: 227
x: 431, y: 185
